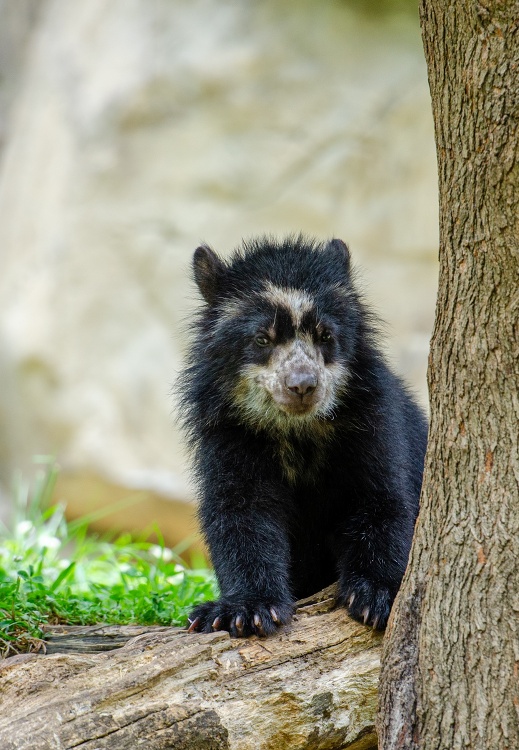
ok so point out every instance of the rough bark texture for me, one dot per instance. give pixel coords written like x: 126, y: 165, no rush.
x: 312, y: 687
x: 450, y: 665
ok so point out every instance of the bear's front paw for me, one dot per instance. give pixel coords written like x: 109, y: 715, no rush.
x: 240, y: 617
x: 367, y: 602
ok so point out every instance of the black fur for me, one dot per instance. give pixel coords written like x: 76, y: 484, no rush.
x: 290, y: 503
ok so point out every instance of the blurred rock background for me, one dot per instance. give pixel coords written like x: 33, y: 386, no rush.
x: 130, y: 130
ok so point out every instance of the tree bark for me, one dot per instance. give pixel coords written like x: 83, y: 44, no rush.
x: 451, y: 659
x: 313, y: 686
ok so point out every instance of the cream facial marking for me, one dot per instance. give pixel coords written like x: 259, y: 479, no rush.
x: 264, y: 399
x: 296, y: 301
x: 229, y: 311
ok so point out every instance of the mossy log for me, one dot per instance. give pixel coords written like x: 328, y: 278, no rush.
x: 311, y: 686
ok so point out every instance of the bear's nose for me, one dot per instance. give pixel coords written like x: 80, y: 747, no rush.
x: 301, y: 383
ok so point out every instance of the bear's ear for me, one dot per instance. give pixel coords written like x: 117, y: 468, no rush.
x: 209, y: 272
x: 339, y: 250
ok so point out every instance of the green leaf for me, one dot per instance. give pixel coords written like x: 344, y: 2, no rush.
x: 66, y: 573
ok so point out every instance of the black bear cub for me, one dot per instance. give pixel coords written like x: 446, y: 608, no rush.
x: 308, y: 450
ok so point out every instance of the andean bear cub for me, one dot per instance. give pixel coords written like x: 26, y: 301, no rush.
x: 308, y: 449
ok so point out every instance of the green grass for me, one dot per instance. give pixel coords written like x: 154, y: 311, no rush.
x: 54, y: 571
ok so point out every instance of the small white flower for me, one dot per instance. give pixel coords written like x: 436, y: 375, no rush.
x: 161, y: 553
x: 50, y: 542
x: 23, y: 527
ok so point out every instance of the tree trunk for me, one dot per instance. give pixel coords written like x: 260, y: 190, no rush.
x: 451, y: 658
x: 313, y: 686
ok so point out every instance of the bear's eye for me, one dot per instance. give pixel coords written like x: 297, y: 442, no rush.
x: 262, y: 340
x: 326, y: 337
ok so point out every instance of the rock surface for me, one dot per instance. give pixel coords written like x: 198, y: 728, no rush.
x: 137, y: 130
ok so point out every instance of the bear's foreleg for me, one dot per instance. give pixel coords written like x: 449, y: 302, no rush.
x: 244, y: 524
x: 372, y: 563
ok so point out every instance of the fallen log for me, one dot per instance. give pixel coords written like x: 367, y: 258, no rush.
x: 311, y: 686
